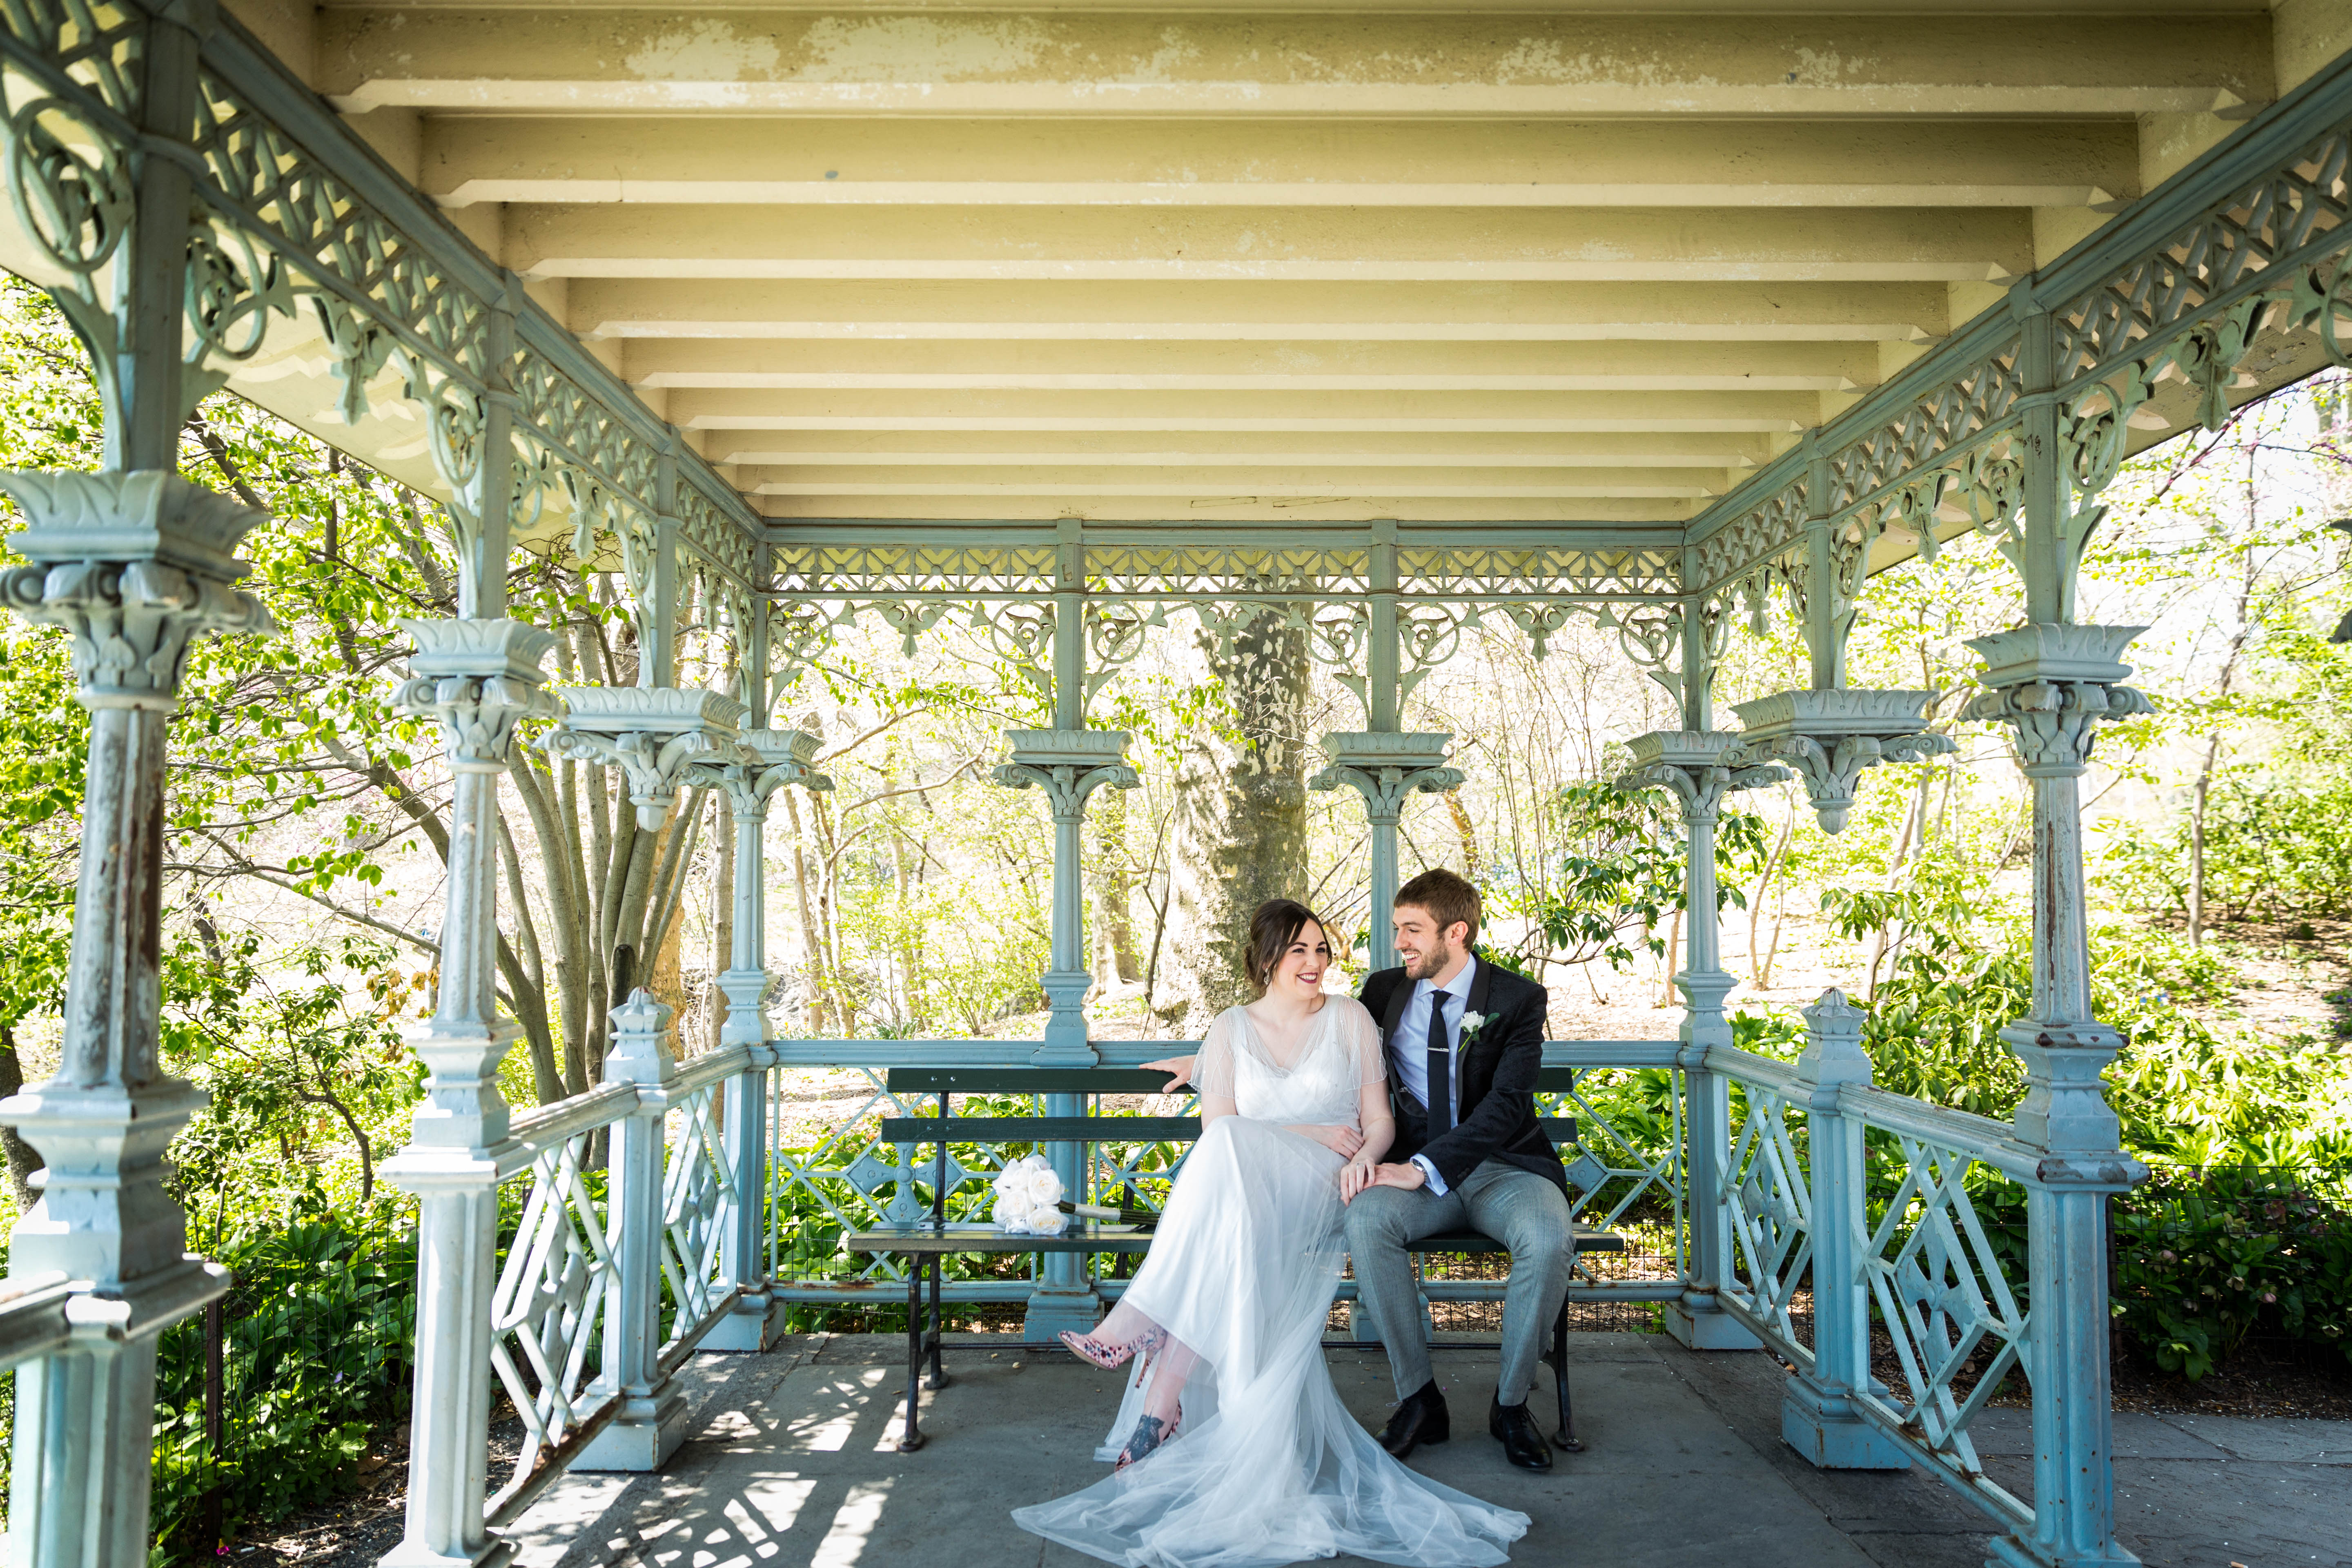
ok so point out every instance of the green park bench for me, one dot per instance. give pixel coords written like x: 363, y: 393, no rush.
x: 926, y: 1244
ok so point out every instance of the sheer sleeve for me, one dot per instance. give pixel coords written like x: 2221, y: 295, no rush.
x: 1363, y: 1038
x: 1213, y: 1072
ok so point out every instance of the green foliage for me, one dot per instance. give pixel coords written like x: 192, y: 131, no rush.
x: 1620, y: 872
x: 2206, y: 1259
x: 2274, y: 850
x: 317, y: 1338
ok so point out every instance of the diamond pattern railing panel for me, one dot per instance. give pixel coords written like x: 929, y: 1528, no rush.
x: 546, y: 1311
x: 1767, y: 1194
x: 697, y: 1191
x: 1940, y: 1289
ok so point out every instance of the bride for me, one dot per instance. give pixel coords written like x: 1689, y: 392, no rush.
x: 1232, y: 1447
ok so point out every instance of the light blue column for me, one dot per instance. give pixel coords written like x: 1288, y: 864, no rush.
x: 1067, y: 763
x: 1817, y: 1415
x: 2052, y: 682
x: 652, y: 1419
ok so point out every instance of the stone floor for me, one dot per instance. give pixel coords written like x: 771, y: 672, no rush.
x: 790, y: 1462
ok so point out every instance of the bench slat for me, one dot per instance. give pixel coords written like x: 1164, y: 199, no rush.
x: 1042, y: 1129
x: 1025, y: 1080
x: 1090, y: 1128
x: 1095, y: 1237
x: 1089, y: 1080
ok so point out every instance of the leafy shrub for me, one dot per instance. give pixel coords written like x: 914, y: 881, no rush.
x: 317, y: 1340
x: 2206, y: 1259
x: 2272, y: 851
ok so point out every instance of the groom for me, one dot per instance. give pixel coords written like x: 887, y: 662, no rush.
x: 1464, y: 1041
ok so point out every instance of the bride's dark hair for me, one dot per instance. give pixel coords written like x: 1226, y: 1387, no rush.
x: 1273, y: 929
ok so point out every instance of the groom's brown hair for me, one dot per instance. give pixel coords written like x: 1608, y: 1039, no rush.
x: 1449, y: 899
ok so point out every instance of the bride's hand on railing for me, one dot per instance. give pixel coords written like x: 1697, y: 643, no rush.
x: 1341, y: 1140
x: 1178, y: 1069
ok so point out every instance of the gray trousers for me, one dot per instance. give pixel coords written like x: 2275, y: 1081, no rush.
x: 1518, y: 1209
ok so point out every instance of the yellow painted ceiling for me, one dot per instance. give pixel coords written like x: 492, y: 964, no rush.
x: 1225, y: 262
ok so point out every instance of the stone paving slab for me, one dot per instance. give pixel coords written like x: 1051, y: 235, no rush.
x: 790, y: 1462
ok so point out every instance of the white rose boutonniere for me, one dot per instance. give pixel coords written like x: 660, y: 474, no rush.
x: 1471, y: 1023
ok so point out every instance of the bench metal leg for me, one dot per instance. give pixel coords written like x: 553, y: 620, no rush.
x: 938, y: 1322
x: 913, y: 1439
x: 1566, y: 1435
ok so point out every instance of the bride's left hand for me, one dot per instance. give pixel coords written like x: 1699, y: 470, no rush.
x: 1355, y: 1176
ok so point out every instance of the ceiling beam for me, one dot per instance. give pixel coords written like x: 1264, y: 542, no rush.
x: 1432, y: 244
x: 1402, y: 413
x: 606, y: 158
x: 1272, y: 367
x: 1244, y: 312
x: 750, y: 60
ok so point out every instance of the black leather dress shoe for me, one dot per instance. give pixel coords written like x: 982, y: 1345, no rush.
x: 1420, y: 1418
x: 1523, y: 1444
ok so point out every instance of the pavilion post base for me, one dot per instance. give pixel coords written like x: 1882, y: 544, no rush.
x: 756, y: 1324
x: 643, y: 1437
x: 2013, y: 1552
x: 1824, y: 1427
x: 1707, y: 1327
x: 1055, y: 1308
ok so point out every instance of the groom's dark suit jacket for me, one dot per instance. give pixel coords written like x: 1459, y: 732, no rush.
x: 1497, y: 1070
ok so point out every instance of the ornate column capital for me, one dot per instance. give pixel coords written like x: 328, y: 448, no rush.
x: 759, y: 763
x: 478, y: 679
x: 1068, y: 765
x: 1698, y: 767
x: 652, y: 734
x: 134, y: 565
x: 1829, y: 737
x: 2054, y: 684
x: 1385, y: 767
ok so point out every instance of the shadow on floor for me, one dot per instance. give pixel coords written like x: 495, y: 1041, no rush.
x: 790, y: 1463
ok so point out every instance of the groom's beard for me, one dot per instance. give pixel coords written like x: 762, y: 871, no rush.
x: 1431, y: 963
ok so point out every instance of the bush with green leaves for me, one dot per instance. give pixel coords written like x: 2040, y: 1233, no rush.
x: 317, y: 1338
x: 2205, y: 1259
x: 2273, y: 850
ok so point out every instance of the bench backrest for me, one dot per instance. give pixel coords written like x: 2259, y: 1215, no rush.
x: 947, y: 1082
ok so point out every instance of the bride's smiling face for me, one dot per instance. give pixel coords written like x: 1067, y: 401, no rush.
x: 1299, y: 975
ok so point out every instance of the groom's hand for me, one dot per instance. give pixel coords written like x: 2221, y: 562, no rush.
x: 1178, y: 1069
x: 1407, y: 1175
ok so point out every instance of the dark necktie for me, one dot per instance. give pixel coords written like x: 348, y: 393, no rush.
x: 1441, y: 1068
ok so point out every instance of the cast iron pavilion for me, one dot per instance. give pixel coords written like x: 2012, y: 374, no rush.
x: 804, y: 314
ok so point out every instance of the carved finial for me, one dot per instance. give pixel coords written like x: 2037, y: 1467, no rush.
x: 1833, y: 1052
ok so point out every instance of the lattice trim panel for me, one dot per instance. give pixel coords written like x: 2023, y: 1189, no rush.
x: 2270, y: 254
x: 1939, y: 1288
x: 546, y: 1311
x: 1767, y: 1194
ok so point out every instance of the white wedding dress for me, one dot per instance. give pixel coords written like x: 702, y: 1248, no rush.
x: 1267, y: 1467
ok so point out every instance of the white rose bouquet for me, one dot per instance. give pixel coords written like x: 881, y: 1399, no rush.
x: 1027, y: 1193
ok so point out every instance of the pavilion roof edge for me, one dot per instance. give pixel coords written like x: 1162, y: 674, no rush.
x: 2320, y: 103
x: 246, y: 64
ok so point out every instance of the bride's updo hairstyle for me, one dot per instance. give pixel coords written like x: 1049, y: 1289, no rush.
x: 1273, y: 929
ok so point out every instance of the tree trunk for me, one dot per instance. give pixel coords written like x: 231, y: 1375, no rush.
x: 2199, y: 796
x: 23, y: 1160
x: 722, y: 922
x: 1113, y: 892
x: 1241, y: 819
x: 1756, y: 970
x: 812, y: 941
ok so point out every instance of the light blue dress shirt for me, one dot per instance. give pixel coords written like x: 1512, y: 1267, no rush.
x: 1409, y: 1050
